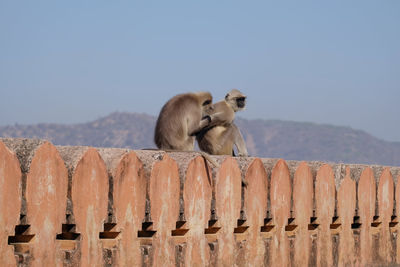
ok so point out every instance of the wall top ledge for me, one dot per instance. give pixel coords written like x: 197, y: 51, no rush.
x: 25, y: 150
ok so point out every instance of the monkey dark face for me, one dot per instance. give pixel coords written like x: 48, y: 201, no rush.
x: 241, y: 102
x: 207, y: 102
x: 236, y: 100
x: 207, y: 108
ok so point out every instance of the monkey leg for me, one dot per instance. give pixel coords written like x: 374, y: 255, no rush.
x: 239, y: 141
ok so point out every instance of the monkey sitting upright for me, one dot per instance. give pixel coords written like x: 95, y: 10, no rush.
x: 180, y: 119
x: 220, y: 139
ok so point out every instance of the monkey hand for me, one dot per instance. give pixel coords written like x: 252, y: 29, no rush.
x: 243, y: 155
x: 207, y: 117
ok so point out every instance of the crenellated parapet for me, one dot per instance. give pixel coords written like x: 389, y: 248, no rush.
x: 83, y: 206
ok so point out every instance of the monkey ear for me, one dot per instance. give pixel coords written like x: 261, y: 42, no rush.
x: 227, y: 96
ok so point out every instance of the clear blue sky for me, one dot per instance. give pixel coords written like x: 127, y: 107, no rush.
x: 334, y: 62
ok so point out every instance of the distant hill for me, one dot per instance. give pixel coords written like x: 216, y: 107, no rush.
x: 264, y: 138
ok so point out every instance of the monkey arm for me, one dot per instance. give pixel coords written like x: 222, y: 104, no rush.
x: 222, y: 118
x: 203, y: 124
x: 208, y: 122
x: 239, y: 141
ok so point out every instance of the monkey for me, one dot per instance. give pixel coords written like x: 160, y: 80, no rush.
x: 180, y: 119
x: 220, y: 139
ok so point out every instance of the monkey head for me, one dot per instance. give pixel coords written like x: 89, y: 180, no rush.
x: 205, y: 102
x: 236, y: 100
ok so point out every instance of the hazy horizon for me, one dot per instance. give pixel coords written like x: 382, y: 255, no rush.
x: 155, y: 117
x: 335, y: 63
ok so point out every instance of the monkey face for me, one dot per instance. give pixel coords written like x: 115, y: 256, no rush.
x: 204, y: 102
x: 236, y: 99
x: 207, y: 108
x: 241, y: 102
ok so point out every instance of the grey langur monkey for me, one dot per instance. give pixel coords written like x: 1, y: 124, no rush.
x: 220, y: 139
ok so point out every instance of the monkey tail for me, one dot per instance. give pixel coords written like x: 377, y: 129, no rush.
x: 209, y: 158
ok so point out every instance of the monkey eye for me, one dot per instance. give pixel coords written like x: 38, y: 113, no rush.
x: 241, y: 98
x: 207, y: 102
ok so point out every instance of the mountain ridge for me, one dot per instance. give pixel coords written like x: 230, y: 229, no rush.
x: 265, y: 138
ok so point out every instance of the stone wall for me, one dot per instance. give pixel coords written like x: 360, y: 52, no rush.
x: 83, y: 206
